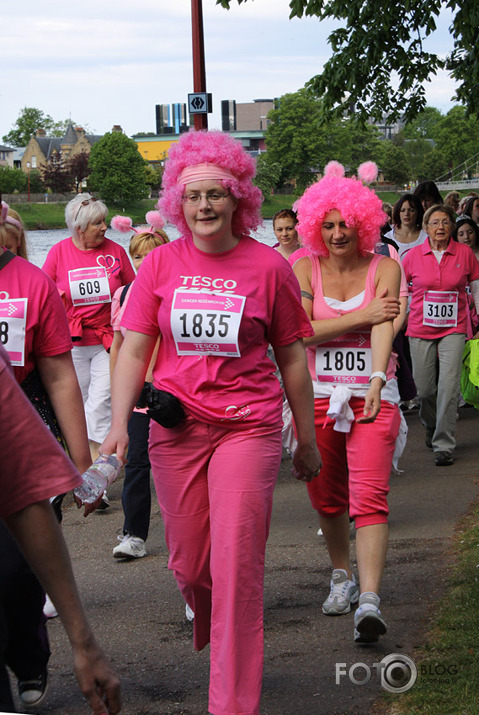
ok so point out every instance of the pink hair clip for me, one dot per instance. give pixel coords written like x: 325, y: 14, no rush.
x: 124, y: 224
x: 5, y: 218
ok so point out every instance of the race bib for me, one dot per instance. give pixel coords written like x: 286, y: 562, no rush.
x: 13, y: 322
x: 89, y: 285
x: 345, y: 360
x: 206, y: 323
x: 440, y: 308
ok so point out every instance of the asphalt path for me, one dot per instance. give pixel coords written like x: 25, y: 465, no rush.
x: 139, y: 617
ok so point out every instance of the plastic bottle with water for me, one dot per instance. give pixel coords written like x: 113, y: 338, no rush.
x: 102, y: 472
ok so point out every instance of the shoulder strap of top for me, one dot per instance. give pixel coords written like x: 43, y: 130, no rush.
x: 123, y: 293
x: 6, y: 257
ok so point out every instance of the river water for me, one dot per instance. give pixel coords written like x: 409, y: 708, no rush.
x: 40, y: 242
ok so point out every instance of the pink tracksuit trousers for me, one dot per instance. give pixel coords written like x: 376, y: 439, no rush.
x: 215, y: 489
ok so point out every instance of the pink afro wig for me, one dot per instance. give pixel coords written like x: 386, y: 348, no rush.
x: 215, y: 147
x: 358, y: 205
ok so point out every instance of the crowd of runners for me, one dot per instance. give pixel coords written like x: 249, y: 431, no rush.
x: 184, y: 363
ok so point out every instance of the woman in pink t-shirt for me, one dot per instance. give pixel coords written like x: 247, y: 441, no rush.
x: 88, y: 268
x: 439, y: 272
x: 218, y: 298
x: 351, y: 297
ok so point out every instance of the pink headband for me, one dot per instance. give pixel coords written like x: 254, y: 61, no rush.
x: 200, y: 172
x: 5, y: 218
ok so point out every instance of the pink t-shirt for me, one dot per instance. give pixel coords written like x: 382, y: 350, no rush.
x: 117, y: 310
x: 345, y: 360
x: 217, y: 313
x: 33, y: 322
x: 87, y: 280
x: 439, y: 289
x: 34, y: 466
x: 300, y: 253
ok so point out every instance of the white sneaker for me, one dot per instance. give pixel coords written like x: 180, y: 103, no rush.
x: 49, y: 610
x: 368, y: 622
x: 130, y: 547
x: 343, y: 593
x: 190, y: 614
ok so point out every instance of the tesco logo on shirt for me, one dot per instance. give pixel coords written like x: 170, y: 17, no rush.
x: 199, y: 282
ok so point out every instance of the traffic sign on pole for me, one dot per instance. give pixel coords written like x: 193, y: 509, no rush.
x: 199, y: 103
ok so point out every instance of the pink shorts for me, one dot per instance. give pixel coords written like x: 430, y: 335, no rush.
x: 356, y: 466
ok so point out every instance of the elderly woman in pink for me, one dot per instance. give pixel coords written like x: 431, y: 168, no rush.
x: 438, y: 272
x: 217, y: 297
x: 351, y: 297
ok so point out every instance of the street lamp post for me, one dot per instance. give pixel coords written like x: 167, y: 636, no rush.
x: 28, y: 180
x: 199, y: 73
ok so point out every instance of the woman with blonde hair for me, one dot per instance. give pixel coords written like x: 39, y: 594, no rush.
x: 136, y: 493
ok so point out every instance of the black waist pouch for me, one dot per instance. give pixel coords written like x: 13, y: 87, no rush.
x: 163, y: 407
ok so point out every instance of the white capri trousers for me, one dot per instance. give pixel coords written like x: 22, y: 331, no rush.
x: 92, y: 366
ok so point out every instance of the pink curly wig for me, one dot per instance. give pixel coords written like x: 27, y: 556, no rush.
x: 358, y: 205
x: 215, y: 147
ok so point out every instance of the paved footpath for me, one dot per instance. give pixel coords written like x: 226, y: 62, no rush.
x: 139, y: 617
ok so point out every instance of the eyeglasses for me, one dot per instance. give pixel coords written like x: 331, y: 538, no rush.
x: 440, y: 222
x: 85, y: 203
x: 213, y: 197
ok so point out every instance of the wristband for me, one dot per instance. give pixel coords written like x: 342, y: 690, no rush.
x: 380, y: 374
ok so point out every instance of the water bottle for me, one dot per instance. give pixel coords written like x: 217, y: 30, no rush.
x: 102, y: 472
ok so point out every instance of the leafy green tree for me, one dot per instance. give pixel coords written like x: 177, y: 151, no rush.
x: 56, y: 176
x: 154, y: 174
x: 301, y: 144
x: 29, y: 120
x: 393, y: 163
x: 78, y: 168
x: 434, y: 167
x: 417, y: 150
x: 457, y: 137
x: 118, y: 171
x: 379, y: 62
x: 12, y: 180
x: 268, y: 173
x: 36, y: 183
x: 423, y: 126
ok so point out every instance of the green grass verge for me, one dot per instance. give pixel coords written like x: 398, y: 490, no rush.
x: 45, y: 216
x: 448, y: 665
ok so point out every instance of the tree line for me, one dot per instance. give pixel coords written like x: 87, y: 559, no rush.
x: 299, y: 144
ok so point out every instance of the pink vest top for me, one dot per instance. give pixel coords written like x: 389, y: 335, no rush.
x: 322, y: 311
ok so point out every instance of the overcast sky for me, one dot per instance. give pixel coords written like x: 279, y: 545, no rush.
x: 107, y: 62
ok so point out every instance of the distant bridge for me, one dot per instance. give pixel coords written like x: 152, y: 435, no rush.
x: 458, y: 185
x: 457, y: 182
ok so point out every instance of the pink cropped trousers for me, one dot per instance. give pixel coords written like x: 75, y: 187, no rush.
x: 215, y: 490
x: 356, y: 466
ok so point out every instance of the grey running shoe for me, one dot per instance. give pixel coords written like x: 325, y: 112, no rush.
x: 368, y: 622
x: 130, y: 547
x: 343, y: 593
x: 443, y: 459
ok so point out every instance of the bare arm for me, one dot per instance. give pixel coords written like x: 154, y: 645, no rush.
x: 42, y: 542
x: 114, y: 350
x: 385, y: 306
x: 60, y: 381
x: 382, y: 334
x: 128, y: 379
x: 298, y: 387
